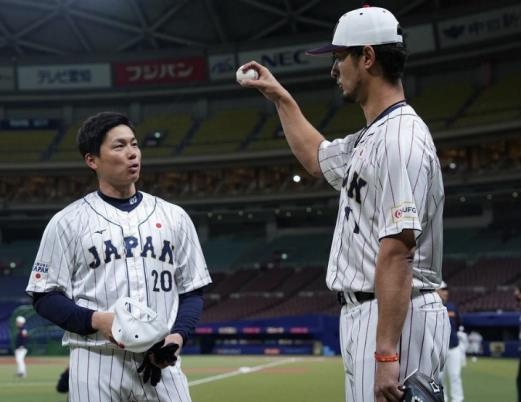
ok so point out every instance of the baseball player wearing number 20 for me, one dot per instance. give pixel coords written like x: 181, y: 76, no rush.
x: 386, y: 255
x: 112, y: 244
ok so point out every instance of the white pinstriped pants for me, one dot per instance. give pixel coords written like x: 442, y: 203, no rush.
x: 103, y: 375
x: 451, y: 376
x: 19, y: 355
x: 423, y: 343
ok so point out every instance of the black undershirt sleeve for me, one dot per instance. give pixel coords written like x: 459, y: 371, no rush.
x: 56, y: 307
x: 190, y: 309
x: 62, y: 311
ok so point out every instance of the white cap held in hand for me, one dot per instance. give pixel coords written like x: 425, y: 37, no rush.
x: 136, y: 327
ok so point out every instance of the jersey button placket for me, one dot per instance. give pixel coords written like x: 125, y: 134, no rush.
x: 132, y: 267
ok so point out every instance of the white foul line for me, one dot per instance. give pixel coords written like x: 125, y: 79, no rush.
x: 243, y: 370
x: 239, y: 371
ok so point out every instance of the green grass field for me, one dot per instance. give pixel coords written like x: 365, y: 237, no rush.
x: 258, y: 378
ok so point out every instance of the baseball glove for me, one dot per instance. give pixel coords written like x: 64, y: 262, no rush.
x: 162, y: 355
x: 422, y: 388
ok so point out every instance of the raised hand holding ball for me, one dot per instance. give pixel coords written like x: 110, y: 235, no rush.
x: 250, y: 74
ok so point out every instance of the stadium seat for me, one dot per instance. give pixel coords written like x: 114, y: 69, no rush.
x: 217, y: 134
x: 25, y: 145
x: 497, y: 103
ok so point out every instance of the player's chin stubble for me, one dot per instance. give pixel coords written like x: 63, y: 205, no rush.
x: 348, y: 98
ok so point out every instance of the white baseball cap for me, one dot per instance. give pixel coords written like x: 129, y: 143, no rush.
x: 136, y: 327
x: 20, y: 320
x: 361, y: 27
x: 443, y: 285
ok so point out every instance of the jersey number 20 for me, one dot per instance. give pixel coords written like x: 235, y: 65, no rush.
x: 162, y: 281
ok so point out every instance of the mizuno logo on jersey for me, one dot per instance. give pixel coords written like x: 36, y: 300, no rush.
x: 405, y: 212
x: 131, y: 246
x: 100, y: 231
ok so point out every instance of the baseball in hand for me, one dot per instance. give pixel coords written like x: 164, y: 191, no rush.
x: 249, y: 74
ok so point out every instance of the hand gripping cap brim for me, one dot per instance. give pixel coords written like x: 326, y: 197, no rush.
x: 362, y: 27
x: 136, y: 327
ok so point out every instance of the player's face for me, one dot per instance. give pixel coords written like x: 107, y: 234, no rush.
x: 118, y: 164
x: 346, y: 73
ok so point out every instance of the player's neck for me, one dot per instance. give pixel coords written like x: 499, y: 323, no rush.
x: 380, y: 99
x: 117, y: 192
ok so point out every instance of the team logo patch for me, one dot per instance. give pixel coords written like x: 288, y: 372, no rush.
x: 40, y: 270
x: 405, y: 212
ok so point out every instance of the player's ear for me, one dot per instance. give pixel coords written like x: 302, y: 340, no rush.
x: 368, y: 56
x: 90, y: 160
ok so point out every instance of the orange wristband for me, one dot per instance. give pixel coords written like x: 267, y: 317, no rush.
x: 386, y: 358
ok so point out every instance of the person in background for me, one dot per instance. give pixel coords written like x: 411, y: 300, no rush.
x: 451, y: 374
x: 463, y: 344
x: 475, y: 345
x: 62, y: 386
x: 21, y: 347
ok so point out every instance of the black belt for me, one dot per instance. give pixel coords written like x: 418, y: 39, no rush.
x: 367, y: 296
x: 360, y: 297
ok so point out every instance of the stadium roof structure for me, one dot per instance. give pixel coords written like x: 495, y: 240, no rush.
x: 94, y: 27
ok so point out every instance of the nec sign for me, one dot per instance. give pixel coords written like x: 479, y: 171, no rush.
x: 286, y: 59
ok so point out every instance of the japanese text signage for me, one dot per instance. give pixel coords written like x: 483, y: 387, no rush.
x: 480, y: 27
x: 67, y: 76
x: 157, y: 72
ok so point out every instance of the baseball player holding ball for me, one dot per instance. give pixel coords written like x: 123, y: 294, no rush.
x: 119, y: 243
x: 386, y: 256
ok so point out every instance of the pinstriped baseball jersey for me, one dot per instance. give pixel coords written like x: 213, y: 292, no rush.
x: 389, y: 180
x: 96, y: 253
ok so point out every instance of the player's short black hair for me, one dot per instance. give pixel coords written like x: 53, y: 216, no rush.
x: 93, y: 130
x: 391, y: 57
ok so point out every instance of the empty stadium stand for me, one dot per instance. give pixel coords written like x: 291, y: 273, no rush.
x: 172, y: 129
x: 497, y: 102
x: 269, y: 136
x: 222, y: 252
x: 309, y: 247
x: 25, y: 145
x: 254, y: 293
x: 223, y: 132
x: 346, y: 119
x: 66, y: 148
x: 438, y: 105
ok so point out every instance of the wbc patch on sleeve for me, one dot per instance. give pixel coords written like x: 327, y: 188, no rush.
x: 40, y: 270
x: 404, y: 212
